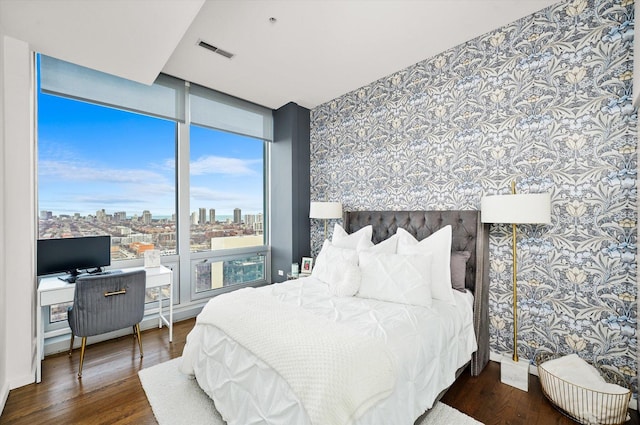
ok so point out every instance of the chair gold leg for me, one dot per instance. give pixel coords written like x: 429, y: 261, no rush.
x: 71, y: 344
x: 84, y: 344
x: 137, y: 328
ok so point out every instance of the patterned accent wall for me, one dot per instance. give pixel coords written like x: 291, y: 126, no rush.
x: 544, y: 101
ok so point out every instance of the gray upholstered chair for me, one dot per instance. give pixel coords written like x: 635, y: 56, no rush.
x: 106, y: 303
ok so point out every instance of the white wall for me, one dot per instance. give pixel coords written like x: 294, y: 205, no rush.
x: 17, y: 222
x: 4, y: 383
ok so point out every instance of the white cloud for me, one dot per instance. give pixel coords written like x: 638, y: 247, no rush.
x: 223, y: 165
x: 71, y: 171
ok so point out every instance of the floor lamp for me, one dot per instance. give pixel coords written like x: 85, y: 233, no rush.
x: 516, y: 209
x: 325, y: 211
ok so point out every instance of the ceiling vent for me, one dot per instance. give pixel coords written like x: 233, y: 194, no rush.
x: 215, y: 49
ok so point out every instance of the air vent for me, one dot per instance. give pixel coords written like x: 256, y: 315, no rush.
x: 215, y: 49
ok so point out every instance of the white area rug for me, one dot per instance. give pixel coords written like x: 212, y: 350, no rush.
x: 177, y: 399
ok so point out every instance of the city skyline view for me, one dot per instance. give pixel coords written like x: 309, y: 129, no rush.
x: 105, y: 158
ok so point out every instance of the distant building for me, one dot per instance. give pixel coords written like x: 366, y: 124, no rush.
x: 46, y: 215
x: 249, y: 220
x: 258, y: 226
x: 194, y: 218
x: 212, y: 216
x: 120, y: 216
x: 146, y: 217
x: 140, y: 247
x: 202, y: 215
x: 237, y: 216
x: 101, y: 215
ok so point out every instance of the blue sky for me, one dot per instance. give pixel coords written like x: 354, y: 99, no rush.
x: 92, y: 157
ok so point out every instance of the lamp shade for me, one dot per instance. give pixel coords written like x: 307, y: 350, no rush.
x: 325, y: 210
x: 516, y: 209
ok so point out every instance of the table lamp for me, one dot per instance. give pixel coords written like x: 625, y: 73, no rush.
x: 325, y: 211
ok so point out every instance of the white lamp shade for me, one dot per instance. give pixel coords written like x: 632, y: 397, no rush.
x: 325, y: 210
x: 516, y: 209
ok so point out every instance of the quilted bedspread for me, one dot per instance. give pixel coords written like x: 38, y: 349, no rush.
x: 427, y: 345
x: 328, y: 365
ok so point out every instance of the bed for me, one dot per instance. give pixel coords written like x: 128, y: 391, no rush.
x: 235, y: 350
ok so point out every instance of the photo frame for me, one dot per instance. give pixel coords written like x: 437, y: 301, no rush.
x: 307, y: 265
x: 152, y: 258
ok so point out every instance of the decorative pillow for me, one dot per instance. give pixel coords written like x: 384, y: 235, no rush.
x: 358, y: 240
x: 332, y: 261
x: 459, y: 269
x: 396, y: 278
x: 387, y: 246
x: 439, y: 246
x: 348, y: 284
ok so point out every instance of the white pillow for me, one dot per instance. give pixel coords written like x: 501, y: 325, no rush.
x: 349, y: 282
x: 332, y: 261
x: 358, y: 240
x: 396, y: 278
x: 387, y: 246
x: 439, y: 246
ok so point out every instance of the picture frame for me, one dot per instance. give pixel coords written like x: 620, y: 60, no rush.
x: 307, y: 265
x: 152, y: 258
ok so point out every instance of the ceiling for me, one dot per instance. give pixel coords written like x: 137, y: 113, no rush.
x: 313, y: 52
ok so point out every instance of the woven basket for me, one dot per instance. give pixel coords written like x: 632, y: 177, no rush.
x: 587, y: 406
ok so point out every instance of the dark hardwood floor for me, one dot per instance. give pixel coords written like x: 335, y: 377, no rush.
x: 110, y: 392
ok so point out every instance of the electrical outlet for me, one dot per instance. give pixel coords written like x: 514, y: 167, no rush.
x: 280, y: 272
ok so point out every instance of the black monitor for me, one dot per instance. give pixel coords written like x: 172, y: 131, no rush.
x: 71, y: 255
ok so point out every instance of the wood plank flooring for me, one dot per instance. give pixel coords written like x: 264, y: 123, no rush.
x: 110, y: 392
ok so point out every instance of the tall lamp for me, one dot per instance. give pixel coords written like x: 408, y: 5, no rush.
x: 325, y: 211
x: 516, y: 209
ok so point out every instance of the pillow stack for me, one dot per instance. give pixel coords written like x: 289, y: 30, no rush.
x: 399, y: 269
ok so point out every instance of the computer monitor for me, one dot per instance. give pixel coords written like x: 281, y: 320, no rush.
x: 72, y: 255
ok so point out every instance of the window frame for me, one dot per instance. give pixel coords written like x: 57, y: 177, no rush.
x: 181, y: 262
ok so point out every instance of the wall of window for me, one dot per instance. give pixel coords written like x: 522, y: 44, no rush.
x: 128, y: 160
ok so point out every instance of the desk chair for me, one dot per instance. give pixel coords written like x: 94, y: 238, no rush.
x: 106, y: 303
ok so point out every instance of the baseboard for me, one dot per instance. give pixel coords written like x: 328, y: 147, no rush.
x: 533, y: 370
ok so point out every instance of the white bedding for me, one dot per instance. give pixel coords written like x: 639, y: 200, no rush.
x: 327, y: 364
x: 427, y: 345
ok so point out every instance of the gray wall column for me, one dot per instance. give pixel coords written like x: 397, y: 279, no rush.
x: 290, y: 190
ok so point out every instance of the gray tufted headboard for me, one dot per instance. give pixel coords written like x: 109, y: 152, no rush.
x: 469, y: 234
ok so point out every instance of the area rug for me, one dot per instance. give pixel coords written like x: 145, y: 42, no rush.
x: 177, y: 399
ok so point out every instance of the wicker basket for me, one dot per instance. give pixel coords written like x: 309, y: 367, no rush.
x: 584, y: 405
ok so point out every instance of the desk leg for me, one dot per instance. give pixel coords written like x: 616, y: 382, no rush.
x: 160, y: 307
x: 171, y: 312
x: 39, y: 343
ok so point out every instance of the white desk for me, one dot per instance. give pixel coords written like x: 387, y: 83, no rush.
x: 52, y: 290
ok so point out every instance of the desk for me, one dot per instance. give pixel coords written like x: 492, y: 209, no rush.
x: 52, y: 290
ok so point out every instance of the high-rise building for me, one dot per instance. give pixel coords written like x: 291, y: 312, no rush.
x: 249, y: 220
x: 101, y: 215
x: 120, y: 216
x: 146, y: 217
x: 237, y: 216
x: 202, y: 215
x: 212, y: 216
x: 258, y: 226
x: 46, y: 215
x: 194, y: 218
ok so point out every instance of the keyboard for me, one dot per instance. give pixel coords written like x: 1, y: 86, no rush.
x: 72, y: 278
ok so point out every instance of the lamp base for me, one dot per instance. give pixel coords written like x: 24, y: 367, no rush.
x: 513, y: 373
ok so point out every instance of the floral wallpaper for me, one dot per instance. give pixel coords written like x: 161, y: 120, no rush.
x: 546, y: 102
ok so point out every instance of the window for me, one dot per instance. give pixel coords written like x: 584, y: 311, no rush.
x: 109, y: 162
x: 104, y: 171
x: 227, y: 187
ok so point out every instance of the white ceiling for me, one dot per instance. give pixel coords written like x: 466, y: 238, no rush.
x: 314, y: 52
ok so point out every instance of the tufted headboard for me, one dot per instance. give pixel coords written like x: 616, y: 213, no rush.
x: 469, y: 234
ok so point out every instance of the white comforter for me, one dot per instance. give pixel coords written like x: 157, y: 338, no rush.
x: 327, y: 365
x: 427, y: 345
